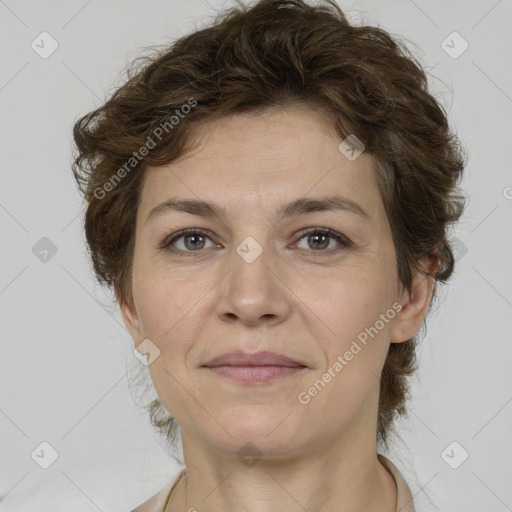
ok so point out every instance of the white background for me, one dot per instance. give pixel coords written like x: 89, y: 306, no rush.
x: 65, y: 352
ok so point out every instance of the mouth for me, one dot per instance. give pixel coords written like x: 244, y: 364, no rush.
x: 255, y: 374
x: 260, y: 367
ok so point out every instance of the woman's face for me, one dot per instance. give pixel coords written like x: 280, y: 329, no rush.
x: 261, y: 276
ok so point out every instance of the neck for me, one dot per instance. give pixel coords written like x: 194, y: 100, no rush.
x: 335, y: 476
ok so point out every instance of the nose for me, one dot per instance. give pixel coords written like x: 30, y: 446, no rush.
x: 253, y: 292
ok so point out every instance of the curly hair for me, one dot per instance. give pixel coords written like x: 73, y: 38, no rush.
x: 272, y: 55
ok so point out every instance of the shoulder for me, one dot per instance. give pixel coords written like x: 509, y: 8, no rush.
x: 157, y: 502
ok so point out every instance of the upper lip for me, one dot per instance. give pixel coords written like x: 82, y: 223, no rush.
x: 265, y: 358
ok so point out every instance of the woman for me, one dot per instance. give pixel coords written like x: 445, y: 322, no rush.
x: 269, y: 199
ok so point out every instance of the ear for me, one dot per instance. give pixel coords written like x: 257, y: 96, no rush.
x: 130, y: 318
x: 415, y: 304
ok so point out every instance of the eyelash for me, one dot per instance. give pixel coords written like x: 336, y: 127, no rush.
x: 166, y: 243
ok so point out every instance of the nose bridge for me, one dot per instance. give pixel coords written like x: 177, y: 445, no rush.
x: 249, y: 280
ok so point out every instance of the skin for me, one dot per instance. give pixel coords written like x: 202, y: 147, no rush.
x: 318, y: 456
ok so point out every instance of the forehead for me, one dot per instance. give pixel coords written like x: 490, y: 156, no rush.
x: 263, y: 160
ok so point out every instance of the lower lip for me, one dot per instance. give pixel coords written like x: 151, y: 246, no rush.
x: 255, y: 374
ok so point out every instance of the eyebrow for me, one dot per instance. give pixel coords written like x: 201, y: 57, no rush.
x: 299, y: 206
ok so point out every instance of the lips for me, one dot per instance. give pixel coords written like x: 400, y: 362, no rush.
x: 265, y: 358
x: 260, y: 368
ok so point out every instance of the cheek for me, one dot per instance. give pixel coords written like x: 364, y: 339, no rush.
x: 356, y: 352
x: 170, y: 315
x: 347, y: 302
x: 163, y: 296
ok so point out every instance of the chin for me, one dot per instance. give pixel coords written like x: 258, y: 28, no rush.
x: 258, y: 426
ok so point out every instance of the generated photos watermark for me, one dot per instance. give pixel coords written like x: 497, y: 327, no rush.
x: 305, y: 397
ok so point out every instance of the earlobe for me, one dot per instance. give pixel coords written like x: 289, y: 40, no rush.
x: 415, y: 304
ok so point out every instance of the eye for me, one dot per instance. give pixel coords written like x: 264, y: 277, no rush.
x: 319, y: 239
x: 194, y: 240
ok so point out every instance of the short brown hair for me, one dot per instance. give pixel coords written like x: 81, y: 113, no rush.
x: 275, y: 54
